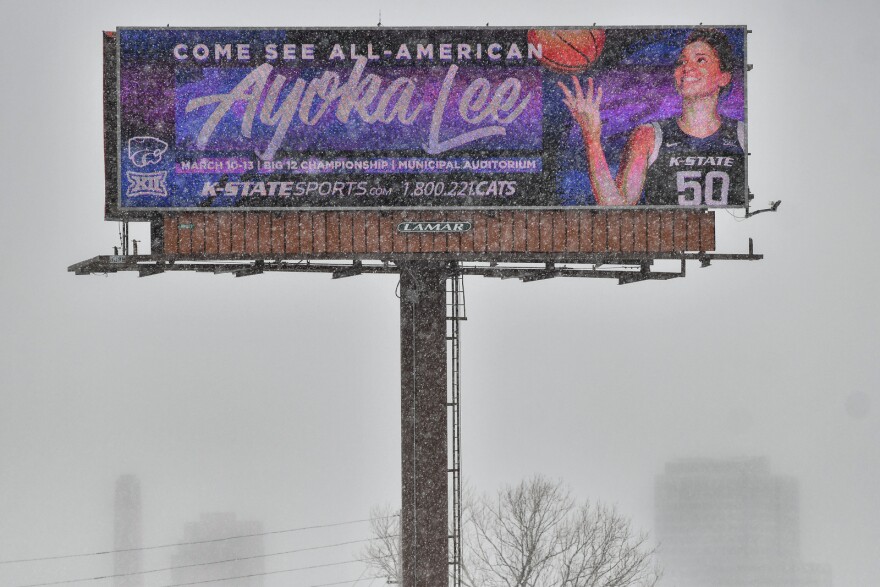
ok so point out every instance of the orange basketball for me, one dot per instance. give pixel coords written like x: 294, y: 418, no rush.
x: 568, y: 50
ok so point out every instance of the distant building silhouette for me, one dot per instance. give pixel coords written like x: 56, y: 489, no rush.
x: 127, y: 532
x: 731, y: 523
x: 211, y: 527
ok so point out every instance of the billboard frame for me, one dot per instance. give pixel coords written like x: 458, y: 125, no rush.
x: 113, y: 132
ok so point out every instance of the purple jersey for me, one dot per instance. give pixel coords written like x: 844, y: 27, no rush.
x: 688, y: 171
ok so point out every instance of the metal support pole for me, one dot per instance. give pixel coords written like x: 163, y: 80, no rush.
x: 124, y: 237
x: 157, y: 236
x: 425, y: 496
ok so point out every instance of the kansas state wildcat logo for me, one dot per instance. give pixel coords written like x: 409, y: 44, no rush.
x: 143, y: 151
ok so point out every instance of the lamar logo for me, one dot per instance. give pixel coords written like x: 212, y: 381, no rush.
x: 433, y: 226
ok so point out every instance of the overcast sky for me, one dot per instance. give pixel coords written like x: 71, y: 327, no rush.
x: 277, y: 396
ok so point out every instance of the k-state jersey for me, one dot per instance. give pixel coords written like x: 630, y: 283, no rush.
x: 689, y: 171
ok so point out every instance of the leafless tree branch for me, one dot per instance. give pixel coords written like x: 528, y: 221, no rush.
x: 534, y: 534
x: 382, y: 555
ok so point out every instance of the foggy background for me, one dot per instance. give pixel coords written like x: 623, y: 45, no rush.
x: 276, y: 397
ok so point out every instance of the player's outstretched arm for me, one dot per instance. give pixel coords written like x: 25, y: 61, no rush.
x: 585, y: 111
x: 626, y: 190
x: 634, y: 163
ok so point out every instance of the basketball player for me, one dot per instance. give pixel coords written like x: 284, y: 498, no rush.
x: 695, y: 159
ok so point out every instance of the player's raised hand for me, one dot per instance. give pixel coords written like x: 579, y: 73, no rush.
x: 584, y: 108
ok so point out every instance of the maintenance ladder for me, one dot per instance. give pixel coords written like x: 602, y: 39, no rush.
x: 455, y: 313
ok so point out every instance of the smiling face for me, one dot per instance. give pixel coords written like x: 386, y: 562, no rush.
x: 698, y: 71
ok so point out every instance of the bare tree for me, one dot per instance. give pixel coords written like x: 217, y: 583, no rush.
x: 534, y: 534
x: 512, y: 539
x: 597, y: 548
x: 382, y: 554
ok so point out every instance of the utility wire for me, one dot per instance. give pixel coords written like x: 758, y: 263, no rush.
x: 348, y: 582
x: 301, y: 529
x: 357, y: 560
x: 229, y: 560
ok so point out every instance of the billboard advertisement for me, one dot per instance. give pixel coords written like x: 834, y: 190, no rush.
x: 225, y: 119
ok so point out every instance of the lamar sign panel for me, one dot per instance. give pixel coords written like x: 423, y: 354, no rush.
x: 239, y: 119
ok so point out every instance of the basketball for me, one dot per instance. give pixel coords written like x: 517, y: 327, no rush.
x: 568, y: 51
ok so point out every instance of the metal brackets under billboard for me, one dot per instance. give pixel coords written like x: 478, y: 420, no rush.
x: 223, y: 119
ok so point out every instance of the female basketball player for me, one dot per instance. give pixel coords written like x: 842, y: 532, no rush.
x: 695, y: 159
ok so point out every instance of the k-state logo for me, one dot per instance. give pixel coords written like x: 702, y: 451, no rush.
x: 143, y: 151
x: 434, y: 226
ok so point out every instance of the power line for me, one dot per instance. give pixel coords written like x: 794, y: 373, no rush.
x: 349, y: 582
x: 289, y: 530
x: 358, y: 560
x: 230, y: 560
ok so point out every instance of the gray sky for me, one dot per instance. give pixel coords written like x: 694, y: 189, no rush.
x: 277, y: 396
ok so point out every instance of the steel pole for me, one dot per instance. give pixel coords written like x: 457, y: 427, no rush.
x: 425, y: 497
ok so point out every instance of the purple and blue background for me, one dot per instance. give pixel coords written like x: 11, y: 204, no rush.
x: 635, y: 71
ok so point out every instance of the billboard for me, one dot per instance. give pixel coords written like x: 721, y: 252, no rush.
x: 240, y: 119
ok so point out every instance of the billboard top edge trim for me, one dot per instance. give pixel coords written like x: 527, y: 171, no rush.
x: 145, y: 210
x: 427, y: 27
